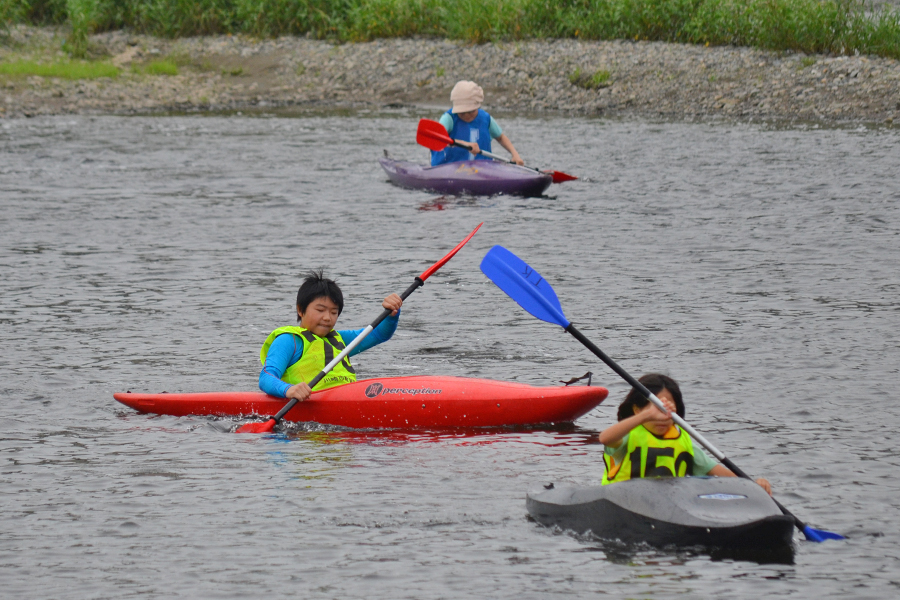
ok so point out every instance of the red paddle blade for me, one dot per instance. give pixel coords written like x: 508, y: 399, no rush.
x: 430, y: 271
x: 559, y: 176
x: 432, y: 135
x: 265, y: 427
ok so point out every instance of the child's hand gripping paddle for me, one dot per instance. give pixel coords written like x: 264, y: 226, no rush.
x: 269, y: 425
x: 433, y: 136
x: 532, y: 292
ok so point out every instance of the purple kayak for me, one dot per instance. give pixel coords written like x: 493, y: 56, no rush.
x: 475, y: 177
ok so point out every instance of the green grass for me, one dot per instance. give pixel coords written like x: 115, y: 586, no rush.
x: 164, y: 66
x: 161, y: 67
x: 598, y: 80
x: 62, y: 69
x: 809, y: 26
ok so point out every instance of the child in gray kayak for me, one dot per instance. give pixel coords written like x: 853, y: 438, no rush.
x: 647, y: 443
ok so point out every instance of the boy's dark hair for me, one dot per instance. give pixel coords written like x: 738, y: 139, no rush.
x: 316, y: 285
x: 656, y: 383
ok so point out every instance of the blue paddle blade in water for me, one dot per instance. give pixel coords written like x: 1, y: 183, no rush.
x: 524, y: 285
x: 819, y: 535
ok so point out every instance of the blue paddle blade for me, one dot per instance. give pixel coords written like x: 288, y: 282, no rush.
x: 524, y: 285
x: 819, y: 535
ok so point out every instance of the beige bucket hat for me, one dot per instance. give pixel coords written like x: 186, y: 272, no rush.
x: 466, y: 96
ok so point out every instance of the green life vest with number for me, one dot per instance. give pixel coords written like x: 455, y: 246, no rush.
x: 317, y: 352
x: 648, y: 455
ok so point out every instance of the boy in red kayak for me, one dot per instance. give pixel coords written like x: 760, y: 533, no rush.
x: 292, y: 356
x: 470, y: 125
x: 646, y: 443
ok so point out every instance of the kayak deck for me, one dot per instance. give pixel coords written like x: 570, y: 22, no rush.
x: 394, y: 402
x: 474, y: 177
x: 714, y: 512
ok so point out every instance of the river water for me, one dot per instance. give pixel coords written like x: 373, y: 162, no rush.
x: 756, y: 264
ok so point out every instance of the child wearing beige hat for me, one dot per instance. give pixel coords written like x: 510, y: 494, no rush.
x: 471, y: 126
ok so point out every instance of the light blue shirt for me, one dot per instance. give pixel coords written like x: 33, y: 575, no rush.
x: 494, y: 129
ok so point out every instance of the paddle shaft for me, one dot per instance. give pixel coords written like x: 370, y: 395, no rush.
x: 677, y: 419
x: 346, y: 351
x: 495, y: 156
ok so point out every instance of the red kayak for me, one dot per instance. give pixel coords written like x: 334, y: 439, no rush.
x: 394, y: 402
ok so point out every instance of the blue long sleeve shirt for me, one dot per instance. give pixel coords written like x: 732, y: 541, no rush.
x: 287, y: 349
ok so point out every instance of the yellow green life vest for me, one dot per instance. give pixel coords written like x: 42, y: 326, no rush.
x: 650, y: 456
x: 317, y: 352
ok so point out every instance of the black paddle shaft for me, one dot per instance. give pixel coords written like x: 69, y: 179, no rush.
x: 641, y: 388
x: 315, y: 380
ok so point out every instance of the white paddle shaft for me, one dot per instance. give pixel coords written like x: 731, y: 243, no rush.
x: 348, y: 349
x: 691, y: 431
x: 495, y: 156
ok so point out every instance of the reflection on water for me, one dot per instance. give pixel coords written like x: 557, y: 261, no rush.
x: 755, y: 265
x: 561, y: 435
x: 316, y: 455
x: 641, y: 555
x: 632, y: 555
x: 447, y: 202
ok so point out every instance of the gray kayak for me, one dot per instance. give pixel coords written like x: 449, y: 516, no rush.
x: 714, y: 512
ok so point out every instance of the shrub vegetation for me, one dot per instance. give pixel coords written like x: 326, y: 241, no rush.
x: 811, y: 26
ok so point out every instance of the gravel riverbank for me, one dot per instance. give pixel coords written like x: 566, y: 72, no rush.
x: 586, y: 78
